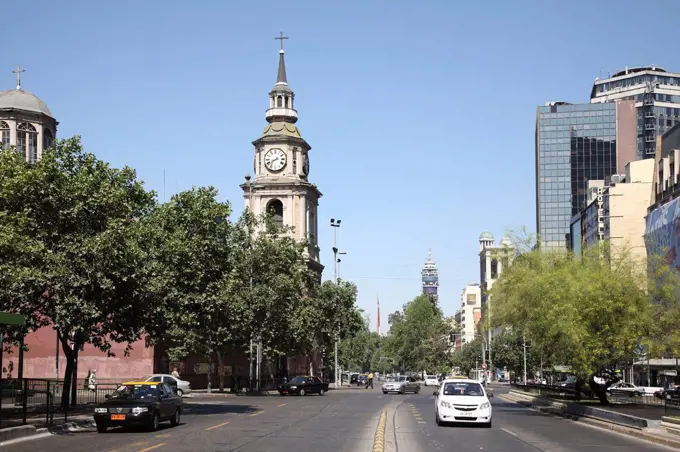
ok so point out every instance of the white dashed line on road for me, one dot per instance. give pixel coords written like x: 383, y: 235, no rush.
x: 508, y: 431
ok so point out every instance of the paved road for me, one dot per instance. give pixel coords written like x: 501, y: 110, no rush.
x: 515, y: 429
x: 343, y: 421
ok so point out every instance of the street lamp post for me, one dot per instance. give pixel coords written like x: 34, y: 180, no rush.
x: 524, y: 340
x: 335, y: 224
x: 250, y: 212
x: 340, y: 253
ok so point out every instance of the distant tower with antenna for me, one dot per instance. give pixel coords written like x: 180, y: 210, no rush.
x: 430, y: 278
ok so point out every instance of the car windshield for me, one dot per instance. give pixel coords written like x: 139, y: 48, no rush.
x: 400, y: 379
x: 464, y: 389
x: 135, y: 392
x: 431, y: 377
x: 299, y: 380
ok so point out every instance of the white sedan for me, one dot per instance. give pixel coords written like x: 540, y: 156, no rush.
x: 462, y: 400
x: 431, y: 380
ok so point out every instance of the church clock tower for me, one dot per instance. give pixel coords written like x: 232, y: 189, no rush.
x: 280, y: 185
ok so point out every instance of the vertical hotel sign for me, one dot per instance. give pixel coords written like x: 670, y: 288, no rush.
x: 600, y: 213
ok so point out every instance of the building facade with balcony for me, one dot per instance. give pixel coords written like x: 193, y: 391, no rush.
x: 656, y: 94
x: 469, y: 314
x: 615, y: 213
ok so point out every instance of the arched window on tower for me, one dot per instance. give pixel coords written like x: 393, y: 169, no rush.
x: 494, y: 268
x: 275, y: 209
x: 48, y: 139
x: 27, y: 141
x: 279, y: 101
x: 4, y: 135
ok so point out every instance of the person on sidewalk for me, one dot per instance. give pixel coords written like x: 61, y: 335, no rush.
x: 370, y: 380
x: 175, y: 373
x: 92, y: 380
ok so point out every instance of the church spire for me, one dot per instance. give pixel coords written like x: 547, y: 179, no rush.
x: 281, y: 76
x: 281, y: 96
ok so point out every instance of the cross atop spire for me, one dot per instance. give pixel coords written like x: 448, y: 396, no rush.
x: 281, y: 38
x: 18, y: 72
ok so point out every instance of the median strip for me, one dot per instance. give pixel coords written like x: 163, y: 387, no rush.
x: 379, y: 439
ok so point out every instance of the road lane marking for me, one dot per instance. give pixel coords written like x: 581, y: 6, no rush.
x: 163, y: 436
x: 152, y: 447
x: 283, y: 404
x: 258, y: 413
x: 508, y: 431
x: 140, y: 443
x: 217, y: 426
x: 422, y: 422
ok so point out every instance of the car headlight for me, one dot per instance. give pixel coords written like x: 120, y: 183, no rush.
x: 293, y: 387
x: 139, y: 409
x: 484, y: 406
x: 444, y: 404
x: 101, y: 410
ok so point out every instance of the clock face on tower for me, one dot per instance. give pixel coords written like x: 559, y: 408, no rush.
x: 275, y: 159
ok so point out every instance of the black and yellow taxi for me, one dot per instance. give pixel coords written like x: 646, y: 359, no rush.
x: 139, y: 403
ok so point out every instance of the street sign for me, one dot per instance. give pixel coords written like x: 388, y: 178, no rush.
x: 484, y: 366
x: 11, y: 319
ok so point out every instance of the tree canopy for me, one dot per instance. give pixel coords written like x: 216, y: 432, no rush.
x: 589, y: 314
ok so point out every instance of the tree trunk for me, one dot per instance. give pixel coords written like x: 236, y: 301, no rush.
x: 74, y: 384
x: 68, y: 372
x: 599, y: 390
x: 220, y: 368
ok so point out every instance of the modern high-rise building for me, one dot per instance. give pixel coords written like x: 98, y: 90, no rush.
x: 576, y: 143
x: 656, y: 94
x: 430, y: 278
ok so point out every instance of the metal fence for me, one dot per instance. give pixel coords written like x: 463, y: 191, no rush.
x: 38, y: 401
x: 555, y: 392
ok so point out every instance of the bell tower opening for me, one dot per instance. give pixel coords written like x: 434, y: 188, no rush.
x: 275, y: 209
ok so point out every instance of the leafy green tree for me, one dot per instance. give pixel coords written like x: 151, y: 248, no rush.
x: 70, y: 247
x: 589, y: 314
x: 420, y: 337
x: 361, y: 350
x: 193, y: 260
x: 468, y: 357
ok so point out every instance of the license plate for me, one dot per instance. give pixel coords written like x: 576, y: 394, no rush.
x: 117, y: 417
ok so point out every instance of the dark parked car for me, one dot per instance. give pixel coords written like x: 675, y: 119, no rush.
x: 303, y: 386
x: 362, y: 380
x: 139, y: 403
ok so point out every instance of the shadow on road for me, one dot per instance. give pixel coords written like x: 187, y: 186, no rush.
x: 204, y: 409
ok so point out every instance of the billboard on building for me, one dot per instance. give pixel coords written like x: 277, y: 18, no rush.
x: 662, y: 232
x: 471, y: 298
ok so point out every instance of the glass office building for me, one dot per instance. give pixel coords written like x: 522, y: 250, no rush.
x: 575, y: 143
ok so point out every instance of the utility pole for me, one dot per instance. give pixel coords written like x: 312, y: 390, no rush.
x: 524, y: 340
x: 488, y: 306
x: 335, y: 224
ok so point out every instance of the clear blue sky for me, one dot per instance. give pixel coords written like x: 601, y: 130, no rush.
x: 420, y: 114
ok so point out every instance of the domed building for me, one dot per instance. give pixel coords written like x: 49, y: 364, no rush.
x: 25, y: 122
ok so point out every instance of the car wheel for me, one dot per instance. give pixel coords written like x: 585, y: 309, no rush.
x: 488, y: 424
x: 384, y: 392
x: 303, y: 392
x: 175, y: 419
x: 400, y: 392
x: 101, y: 428
x: 180, y: 392
x: 417, y: 390
x: 436, y: 418
x: 155, y: 421
x: 321, y: 392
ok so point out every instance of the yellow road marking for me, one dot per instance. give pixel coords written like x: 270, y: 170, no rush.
x: 283, y: 404
x: 163, y: 436
x: 379, y: 439
x: 140, y: 443
x: 218, y: 425
x: 151, y: 448
x: 259, y: 412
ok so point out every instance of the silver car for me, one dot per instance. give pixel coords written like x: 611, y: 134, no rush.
x: 401, y: 384
x: 181, y: 387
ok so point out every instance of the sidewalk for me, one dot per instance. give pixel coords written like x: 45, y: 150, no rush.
x: 38, y: 428
x: 655, y: 434
x: 227, y: 392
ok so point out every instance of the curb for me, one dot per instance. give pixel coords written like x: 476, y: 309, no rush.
x: 379, y: 439
x: 30, y: 433
x: 598, y: 423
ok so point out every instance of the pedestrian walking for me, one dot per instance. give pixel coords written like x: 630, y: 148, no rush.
x: 370, y: 380
x: 175, y: 373
x: 92, y: 380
